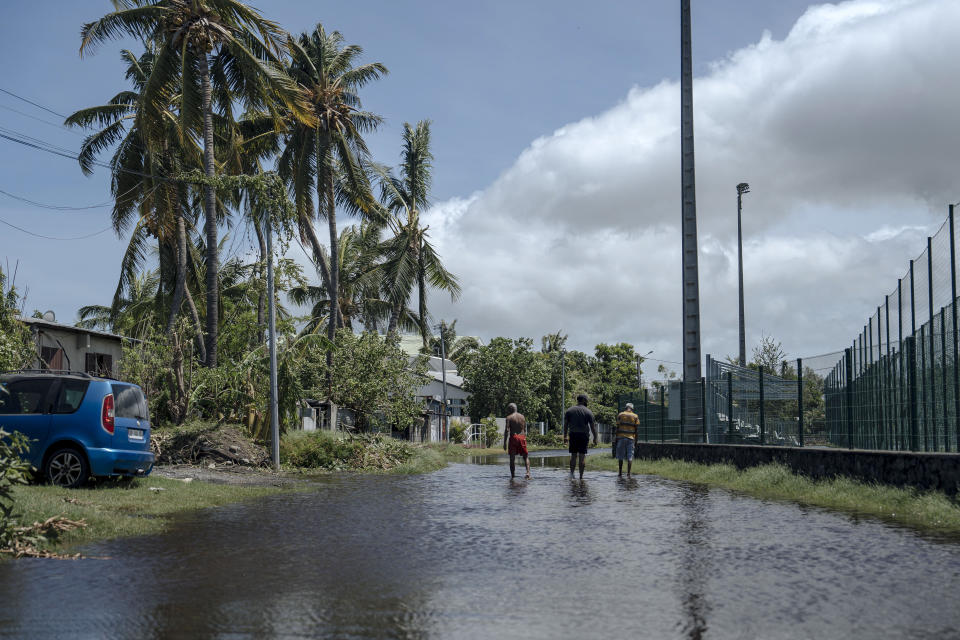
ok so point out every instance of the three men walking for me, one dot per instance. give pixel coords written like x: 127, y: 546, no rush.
x: 626, y: 438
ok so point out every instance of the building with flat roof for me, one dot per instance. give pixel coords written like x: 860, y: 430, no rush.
x: 66, y: 347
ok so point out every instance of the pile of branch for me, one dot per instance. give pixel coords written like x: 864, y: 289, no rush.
x: 26, y: 540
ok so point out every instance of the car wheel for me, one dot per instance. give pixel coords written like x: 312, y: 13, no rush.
x: 67, y: 467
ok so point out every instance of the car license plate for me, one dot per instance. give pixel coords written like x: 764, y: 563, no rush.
x: 135, y: 434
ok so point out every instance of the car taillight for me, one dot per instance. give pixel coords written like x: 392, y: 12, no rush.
x: 106, y: 416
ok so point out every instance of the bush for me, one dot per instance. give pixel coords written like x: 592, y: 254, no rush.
x: 491, y: 431
x: 324, y: 450
x: 549, y: 439
x: 458, y: 432
x: 13, y: 471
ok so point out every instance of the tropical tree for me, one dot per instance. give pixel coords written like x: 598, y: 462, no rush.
x: 155, y: 207
x: 200, y: 44
x: 326, y: 156
x: 456, y: 348
x: 132, y: 315
x: 411, y: 261
x: 359, y: 284
x: 505, y: 371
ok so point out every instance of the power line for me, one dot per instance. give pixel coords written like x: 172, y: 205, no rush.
x: 39, y: 235
x: 33, y: 117
x: 55, y: 207
x: 37, y: 105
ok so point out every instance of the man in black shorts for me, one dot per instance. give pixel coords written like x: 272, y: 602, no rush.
x: 578, y: 420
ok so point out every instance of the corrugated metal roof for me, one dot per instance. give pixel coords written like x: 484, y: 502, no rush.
x: 39, y: 322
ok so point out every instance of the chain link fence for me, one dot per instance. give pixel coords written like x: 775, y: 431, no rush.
x: 896, y: 387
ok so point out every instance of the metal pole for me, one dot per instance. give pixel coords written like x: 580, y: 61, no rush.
x: 901, y: 380
x: 646, y: 418
x: 888, y: 428
x: 930, y: 421
x: 923, y: 386
x: 800, y: 401
x: 943, y: 378
x: 683, y: 409
x: 690, y: 272
x: 911, y: 347
x: 871, y: 398
x: 849, y: 393
x: 563, y: 386
x: 956, y: 349
x: 703, y: 409
x: 729, y: 406
x: 742, y: 188
x: 272, y: 329
x: 662, y: 420
x: 763, y: 422
x: 444, y: 431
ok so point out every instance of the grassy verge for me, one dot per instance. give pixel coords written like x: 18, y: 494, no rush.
x: 111, y: 510
x: 928, y: 510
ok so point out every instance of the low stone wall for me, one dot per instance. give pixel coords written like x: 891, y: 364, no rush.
x: 931, y: 471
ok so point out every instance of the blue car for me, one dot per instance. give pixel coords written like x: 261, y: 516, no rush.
x: 78, y: 425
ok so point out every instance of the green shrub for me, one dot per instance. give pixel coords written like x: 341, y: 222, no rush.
x: 549, y: 439
x: 491, y: 431
x: 13, y: 471
x: 324, y: 450
x: 458, y: 432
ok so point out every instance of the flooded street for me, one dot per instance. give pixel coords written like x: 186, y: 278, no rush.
x: 467, y: 553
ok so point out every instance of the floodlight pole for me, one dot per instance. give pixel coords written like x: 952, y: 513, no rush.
x: 692, y: 367
x: 742, y: 188
x: 272, y: 329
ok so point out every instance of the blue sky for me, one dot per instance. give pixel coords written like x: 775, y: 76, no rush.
x: 504, y: 84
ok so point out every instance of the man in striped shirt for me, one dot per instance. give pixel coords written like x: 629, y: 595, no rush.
x: 627, y: 424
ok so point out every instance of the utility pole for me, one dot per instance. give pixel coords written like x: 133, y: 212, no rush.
x: 691, y: 278
x: 742, y: 188
x: 443, y: 376
x: 272, y: 329
x: 563, y: 385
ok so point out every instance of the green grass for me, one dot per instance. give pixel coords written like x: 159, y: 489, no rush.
x: 113, y: 510
x: 929, y: 510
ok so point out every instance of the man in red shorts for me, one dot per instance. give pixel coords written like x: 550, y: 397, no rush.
x: 515, y: 435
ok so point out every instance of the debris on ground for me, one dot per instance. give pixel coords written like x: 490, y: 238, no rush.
x: 27, y: 540
x: 209, y: 444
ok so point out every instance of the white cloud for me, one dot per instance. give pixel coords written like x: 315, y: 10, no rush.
x: 846, y: 132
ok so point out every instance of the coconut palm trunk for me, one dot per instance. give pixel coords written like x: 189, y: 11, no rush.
x: 210, y: 212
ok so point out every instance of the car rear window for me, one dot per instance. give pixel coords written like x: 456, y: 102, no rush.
x: 24, y: 396
x: 71, y: 395
x: 129, y: 402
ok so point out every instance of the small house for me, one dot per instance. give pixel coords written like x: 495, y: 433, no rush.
x: 66, y: 347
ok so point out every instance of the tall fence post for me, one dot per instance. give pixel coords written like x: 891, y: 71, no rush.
x: 683, y: 409
x: 646, y: 417
x: 849, y: 393
x: 800, y: 401
x: 930, y: 420
x: 943, y: 378
x: 763, y: 423
x: 662, y: 417
x: 703, y: 408
x: 923, y: 385
x: 911, y: 366
x: 729, y: 406
x: 888, y: 375
x: 956, y: 349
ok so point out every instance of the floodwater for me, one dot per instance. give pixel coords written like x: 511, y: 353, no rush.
x: 467, y: 553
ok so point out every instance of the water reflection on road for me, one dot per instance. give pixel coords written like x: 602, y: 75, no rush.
x: 469, y: 553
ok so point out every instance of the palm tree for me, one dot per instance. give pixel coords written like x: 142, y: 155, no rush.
x: 131, y: 315
x: 153, y: 206
x: 456, y: 348
x: 199, y: 44
x: 360, y: 286
x: 328, y: 156
x: 411, y: 259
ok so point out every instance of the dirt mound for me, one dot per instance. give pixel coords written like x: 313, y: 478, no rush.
x: 195, y: 444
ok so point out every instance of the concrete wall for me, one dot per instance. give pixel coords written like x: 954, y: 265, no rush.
x: 76, y: 345
x: 929, y: 471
